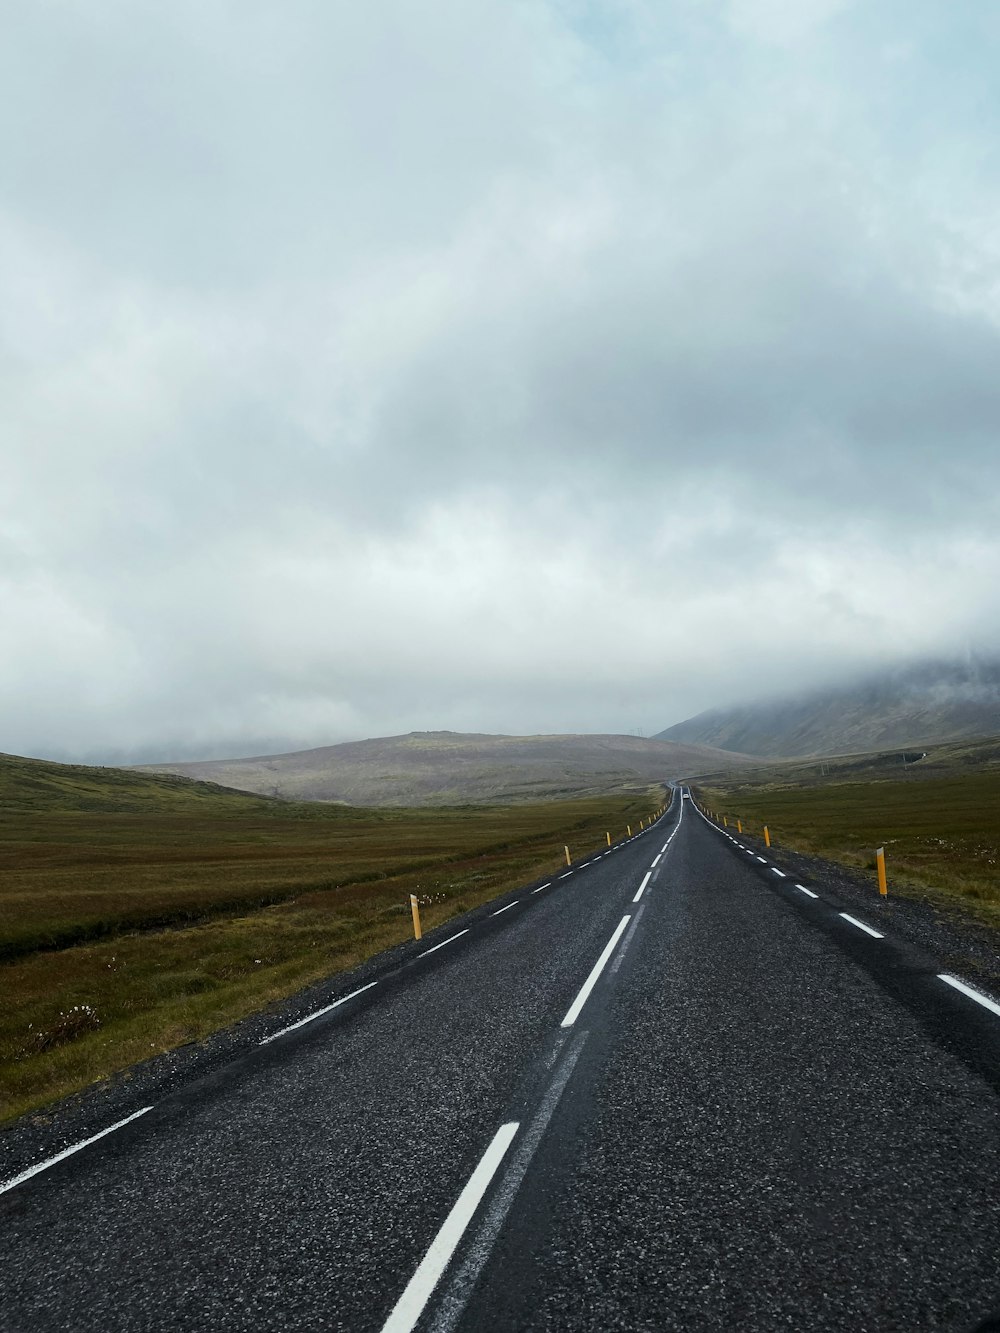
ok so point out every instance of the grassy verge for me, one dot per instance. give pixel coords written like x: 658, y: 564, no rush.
x: 938, y: 824
x: 133, y: 930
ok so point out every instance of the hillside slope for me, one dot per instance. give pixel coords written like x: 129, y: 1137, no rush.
x: 42, y: 786
x: 925, y: 704
x: 443, y: 767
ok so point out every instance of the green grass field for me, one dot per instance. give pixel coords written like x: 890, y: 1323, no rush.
x: 140, y: 912
x: 938, y: 817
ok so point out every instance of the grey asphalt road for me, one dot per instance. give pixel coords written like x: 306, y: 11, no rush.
x: 670, y: 1091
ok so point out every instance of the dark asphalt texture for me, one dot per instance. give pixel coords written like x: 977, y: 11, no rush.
x: 772, y: 1122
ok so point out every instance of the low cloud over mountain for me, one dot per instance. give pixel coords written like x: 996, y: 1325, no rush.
x: 936, y: 701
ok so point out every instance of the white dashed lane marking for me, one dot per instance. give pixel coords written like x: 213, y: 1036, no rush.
x: 861, y: 926
x: 319, y: 1012
x: 410, y: 1305
x: 573, y: 1013
x: 68, y: 1152
x: 642, y: 886
x: 984, y: 1000
x: 435, y: 947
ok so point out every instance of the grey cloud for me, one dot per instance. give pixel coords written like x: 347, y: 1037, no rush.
x: 221, y: 145
x: 488, y: 366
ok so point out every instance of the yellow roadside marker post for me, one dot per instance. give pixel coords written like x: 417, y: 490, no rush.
x: 739, y: 826
x: 767, y: 836
x: 883, y: 887
x: 415, y: 909
x: 566, y: 850
x: 629, y: 829
x: 725, y: 821
x: 608, y: 836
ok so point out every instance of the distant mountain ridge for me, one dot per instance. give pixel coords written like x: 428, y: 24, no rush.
x: 452, y: 768
x: 924, y: 704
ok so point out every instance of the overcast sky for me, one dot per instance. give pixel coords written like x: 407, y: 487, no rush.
x: 487, y: 365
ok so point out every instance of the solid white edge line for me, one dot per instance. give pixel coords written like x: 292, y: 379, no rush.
x: 410, y: 1306
x: 318, y: 1014
x: 507, y: 908
x: 861, y: 926
x: 68, y: 1152
x: 435, y: 947
x: 573, y: 1013
x: 984, y: 1000
x: 642, y: 886
x: 776, y: 871
x: 808, y: 892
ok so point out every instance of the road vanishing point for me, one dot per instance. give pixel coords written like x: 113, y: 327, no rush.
x: 670, y: 1089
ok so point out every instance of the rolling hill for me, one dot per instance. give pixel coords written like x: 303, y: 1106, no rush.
x: 41, y: 786
x: 924, y: 704
x: 448, y: 768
